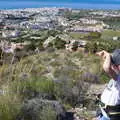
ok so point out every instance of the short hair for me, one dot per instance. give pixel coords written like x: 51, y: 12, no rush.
x: 115, y: 57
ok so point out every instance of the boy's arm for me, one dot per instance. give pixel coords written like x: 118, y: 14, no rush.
x: 107, y: 64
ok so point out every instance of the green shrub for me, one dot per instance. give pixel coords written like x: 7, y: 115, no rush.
x: 47, y: 113
x: 35, y: 85
x: 9, y: 107
x: 59, y: 43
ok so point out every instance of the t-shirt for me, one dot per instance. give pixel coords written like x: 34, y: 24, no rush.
x: 111, y: 94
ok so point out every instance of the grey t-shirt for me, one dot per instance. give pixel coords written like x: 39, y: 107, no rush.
x: 111, y: 94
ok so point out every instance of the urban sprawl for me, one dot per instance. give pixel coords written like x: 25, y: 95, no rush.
x: 22, y: 27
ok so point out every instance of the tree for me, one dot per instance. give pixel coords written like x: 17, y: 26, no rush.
x: 59, y: 43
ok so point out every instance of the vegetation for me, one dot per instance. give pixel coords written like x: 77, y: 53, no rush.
x: 113, y: 22
x: 109, y: 34
x: 77, y: 35
x: 52, y: 76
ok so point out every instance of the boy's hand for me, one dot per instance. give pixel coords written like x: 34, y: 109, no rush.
x: 102, y: 54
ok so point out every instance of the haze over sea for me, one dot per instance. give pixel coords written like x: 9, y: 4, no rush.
x: 76, y: 4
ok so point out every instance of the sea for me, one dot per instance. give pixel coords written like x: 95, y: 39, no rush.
x: 11, y: 4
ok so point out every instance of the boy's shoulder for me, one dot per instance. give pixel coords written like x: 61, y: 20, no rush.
x: 114, y: 83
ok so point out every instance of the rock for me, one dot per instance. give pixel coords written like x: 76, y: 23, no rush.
x: 82, y: 114
x: 96, y: 88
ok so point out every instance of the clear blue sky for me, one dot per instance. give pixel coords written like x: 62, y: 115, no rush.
x: 86, y: 4
x: 77, y: 1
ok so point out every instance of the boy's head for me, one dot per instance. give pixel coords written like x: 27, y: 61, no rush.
x: 115, y: 59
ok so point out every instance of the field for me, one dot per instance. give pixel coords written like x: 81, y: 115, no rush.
x: 78, y: 35
x: 109, y: 34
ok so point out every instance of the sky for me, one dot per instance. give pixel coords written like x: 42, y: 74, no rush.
x: 77, y: 1
x: 99, y: 4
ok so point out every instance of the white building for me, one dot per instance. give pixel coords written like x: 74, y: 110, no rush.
x: 8, y: 33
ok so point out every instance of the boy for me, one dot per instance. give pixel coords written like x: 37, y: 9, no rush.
x: 110, y: 98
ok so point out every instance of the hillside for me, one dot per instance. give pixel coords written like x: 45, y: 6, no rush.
x: 59, y: 76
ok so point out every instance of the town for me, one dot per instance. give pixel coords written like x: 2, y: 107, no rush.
x: 22, y: 27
